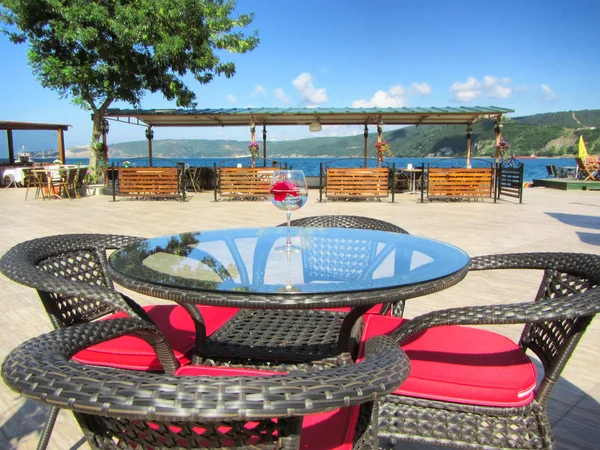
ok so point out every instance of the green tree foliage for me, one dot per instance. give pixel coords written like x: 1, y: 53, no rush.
x: 100, y: 51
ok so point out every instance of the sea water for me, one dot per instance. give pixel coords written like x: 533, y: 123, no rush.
x: 532, y: 168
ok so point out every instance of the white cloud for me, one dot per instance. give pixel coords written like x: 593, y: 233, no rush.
x: 420, y: 88
x: 281, y: 96
x: 467, y: 91
x: 393, y: 98
x: 497, y: 88
x: 231, y: 99
x: 258, y: 90
x: 549, y: 94
x: 310, y: 94
x: 489, y: 86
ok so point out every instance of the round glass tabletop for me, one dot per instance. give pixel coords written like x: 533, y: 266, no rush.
x: 252, y: 260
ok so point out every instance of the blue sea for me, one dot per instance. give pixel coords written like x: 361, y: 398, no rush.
x: 533, y: 168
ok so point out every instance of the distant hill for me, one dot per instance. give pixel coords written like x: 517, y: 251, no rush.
x: 548, y: 134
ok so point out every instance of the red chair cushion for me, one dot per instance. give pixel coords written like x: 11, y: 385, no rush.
x: 133, y: 353
x: 462, y: 365
x: 333, y: 430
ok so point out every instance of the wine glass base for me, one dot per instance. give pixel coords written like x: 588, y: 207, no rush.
x: 289, y: 248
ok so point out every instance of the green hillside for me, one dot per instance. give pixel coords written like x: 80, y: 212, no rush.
x: 549, y: 134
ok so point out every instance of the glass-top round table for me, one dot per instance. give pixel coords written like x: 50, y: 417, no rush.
x: 246, y: 267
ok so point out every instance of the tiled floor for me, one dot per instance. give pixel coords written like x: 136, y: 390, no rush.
x: 548, y: 220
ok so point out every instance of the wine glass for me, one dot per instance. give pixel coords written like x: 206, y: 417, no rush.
x: 288, y: 192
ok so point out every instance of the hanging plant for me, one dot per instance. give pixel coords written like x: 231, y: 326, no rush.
x: 383, y: 150
x: 254, y: 148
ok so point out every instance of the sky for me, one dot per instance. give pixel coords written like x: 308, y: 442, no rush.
x: 532, y: 56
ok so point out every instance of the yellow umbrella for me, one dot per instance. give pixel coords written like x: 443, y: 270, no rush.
x: 583, y: 154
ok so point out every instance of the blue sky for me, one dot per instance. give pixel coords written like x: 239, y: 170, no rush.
x: 532, y: 56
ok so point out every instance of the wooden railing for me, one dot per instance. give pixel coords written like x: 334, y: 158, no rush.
x: 244, y: 182
x: 459, y: 183
x: 149, y: 182
x: 356, y: 183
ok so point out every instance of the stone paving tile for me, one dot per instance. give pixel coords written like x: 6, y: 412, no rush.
x: 548, y: 220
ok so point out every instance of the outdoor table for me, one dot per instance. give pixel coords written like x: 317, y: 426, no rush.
x: 247, y: 268
x: 411, y: 174
x: 15, y: 175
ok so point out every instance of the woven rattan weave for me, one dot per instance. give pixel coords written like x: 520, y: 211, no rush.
x: 344, y: 221
x: 566, y: 302
x: 70, y: 276
x: 124, y: 400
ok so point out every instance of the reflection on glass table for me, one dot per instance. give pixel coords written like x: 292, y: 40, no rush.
x: 328, y: 261
x: 242, y: 268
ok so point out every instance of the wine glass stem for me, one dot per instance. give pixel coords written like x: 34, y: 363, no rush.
x: 289, y: 239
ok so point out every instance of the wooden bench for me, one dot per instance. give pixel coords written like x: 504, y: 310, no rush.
x: 459, y: 183
x: 357, y: 183
x: 244, y: 182
x: 149, y: 182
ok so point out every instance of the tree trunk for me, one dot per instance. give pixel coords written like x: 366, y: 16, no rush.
x: 96, y: 135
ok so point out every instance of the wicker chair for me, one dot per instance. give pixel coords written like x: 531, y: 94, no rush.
x: 473, y: 388
x: 349, y: 270
x: 230, y: 409
x: 69, y: 273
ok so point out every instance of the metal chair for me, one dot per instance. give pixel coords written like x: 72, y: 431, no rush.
x: 473, y: 388
x: 204, y: 407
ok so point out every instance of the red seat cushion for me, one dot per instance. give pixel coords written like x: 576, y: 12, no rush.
x: 462, y: 365
x: 333, y: 430
x: 132, y: 352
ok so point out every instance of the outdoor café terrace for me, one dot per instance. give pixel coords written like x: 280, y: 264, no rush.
x: 547, y: 221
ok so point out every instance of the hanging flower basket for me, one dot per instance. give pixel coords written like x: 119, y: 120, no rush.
x: 254, y: 148
x: 383, y: 150
x: 501, y: 147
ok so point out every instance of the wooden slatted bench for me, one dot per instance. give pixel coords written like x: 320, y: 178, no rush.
x: 149, y: 182
x: 459, y: 183
x: 244, y: 182
x: 357, y: 183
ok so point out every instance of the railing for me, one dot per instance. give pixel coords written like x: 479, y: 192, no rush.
x: 509, y: 180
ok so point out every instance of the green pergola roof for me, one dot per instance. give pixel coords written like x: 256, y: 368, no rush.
x: 304, y: 116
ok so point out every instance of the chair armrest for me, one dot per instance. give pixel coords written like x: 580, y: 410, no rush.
x: 560, y: 308
x: 579, y: 264
x: 40, y: 369
x: 20, y: 265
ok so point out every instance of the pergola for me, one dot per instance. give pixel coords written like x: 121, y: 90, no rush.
x: 29, y: 126
x: 314, y: 118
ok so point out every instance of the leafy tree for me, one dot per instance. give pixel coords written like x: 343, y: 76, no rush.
x: 100, y: 51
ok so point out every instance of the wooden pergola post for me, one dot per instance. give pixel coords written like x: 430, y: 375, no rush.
x: 379, y: 140
x: 11, y: 146
x: 149, y: 136
x: 469, y: 133
x: 61, y: 146
x: 498, y: 130
x: 265, y: 145
x: 252, y: 139
x: 366, y: 135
